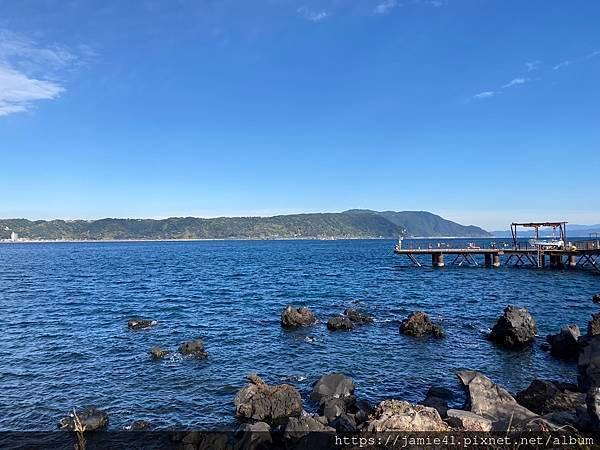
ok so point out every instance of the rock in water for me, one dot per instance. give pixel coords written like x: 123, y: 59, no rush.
x: 564, y: 344
x: 468, y: 421
x: 489, y: 400
x: 515, y: 329
x: 91, y: 419
x: 588, y: 363
x: 158, y: 353
x: 358, y: 317
x: 545, y: 397
x: 340, y: 323
x: 271, y: 404
x: 418, y: 324
x: 139, y: 425
x: 594, y: 325
x: 140, y: 324
x: 334, y: 385
x: 596, y: 298
x: 294, y: 318
x: 193, y: 348
x: 396, y: 415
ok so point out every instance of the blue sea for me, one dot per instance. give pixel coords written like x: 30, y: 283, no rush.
x: 64, y: 341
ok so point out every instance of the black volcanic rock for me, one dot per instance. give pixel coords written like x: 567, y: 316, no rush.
x: 564, y: 344
x: 294, y: 318
x: 340, y: 323
x: 358, y: 317
x: 418, y: 324
x: 514, y: 329
x: 193, y: 348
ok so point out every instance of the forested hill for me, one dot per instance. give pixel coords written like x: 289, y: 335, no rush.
x: 348, y: 224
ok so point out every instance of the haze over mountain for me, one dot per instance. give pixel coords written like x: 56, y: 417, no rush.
x: 347, y: 224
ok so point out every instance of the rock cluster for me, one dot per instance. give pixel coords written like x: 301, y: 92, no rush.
x: 514, y: 329
x: 294, y: 318
x: 418, y: 324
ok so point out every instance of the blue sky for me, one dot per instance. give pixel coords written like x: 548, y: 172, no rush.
x: 482, y: 111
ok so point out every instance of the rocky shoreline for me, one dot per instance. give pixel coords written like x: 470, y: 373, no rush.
x: 276, y: 415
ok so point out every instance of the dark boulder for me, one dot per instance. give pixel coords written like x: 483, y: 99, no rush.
x: 299, y: 427
x: 340, y: 323
x: 90, y: 419
x: 514, y: 329
x: 334, y: 385
x: 271, y: 404
x: 140, y: 324
x: 593, y: 328
x: 564, y: 344
x: 158, y: 353
x: 358, y: 317
x: 334, y: 407
x: 418, y: 324
x: 193, y: 348
x: 344, y: 423
x: 437, y: 398
x: 255, y: 436
x: 294, y: 318
x: 596, y: 298
x: 138, y: 425
x: 545, y: 397
x: 588, y: 362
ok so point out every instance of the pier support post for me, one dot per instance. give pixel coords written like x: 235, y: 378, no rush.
x: 572, y: 261
x: 488, y: 259
x: 496, y: 262
x: 437, y: 260
x: 542, y: 260
x: 555, y: 261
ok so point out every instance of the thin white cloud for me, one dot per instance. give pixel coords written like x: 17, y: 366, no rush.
x: 532, y: 65
x: 484, y: 94
x: 313, y: 16
x: 385, y: 7
x: 562, y: 65
x: 594, y: 54
x: 515, y: 82
x: 29, y: 72
x: 18, y: 91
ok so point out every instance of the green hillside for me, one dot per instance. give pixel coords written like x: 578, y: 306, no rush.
x: 348, y: 224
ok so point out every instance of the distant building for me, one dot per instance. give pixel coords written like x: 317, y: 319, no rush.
x: 14, y: 236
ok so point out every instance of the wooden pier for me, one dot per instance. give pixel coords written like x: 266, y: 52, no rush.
x: 583, y: 254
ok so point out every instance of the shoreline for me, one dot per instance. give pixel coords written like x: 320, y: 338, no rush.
x: 90, y: 241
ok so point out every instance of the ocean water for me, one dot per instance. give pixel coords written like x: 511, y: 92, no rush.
x: 64, y: 340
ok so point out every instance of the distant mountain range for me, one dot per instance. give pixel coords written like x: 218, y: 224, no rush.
x: 344, y: 225
x: 572, y: 231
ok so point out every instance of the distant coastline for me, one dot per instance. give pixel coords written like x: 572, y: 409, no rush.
x: 352, y: 224
x: 107, y: 241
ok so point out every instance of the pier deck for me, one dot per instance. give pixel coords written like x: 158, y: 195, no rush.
x: 580, y: 255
